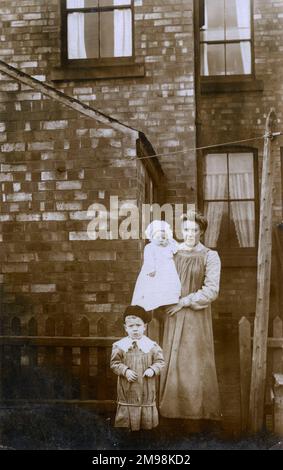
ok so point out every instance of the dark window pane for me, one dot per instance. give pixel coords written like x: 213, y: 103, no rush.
x: 215, y: 177
x: 82, y: 35
x: 241, y: 176
x: 243, y: 224
x: 238, y: 58
x: 212, y: 59
x: 116, y: 33
x: 82, y: 3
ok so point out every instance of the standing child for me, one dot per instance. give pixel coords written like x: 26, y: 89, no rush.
x: 137, y: 361
x: 158, y: 283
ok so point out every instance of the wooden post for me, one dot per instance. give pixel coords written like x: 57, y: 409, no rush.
x: 256, y: 408
x: 245, y: 368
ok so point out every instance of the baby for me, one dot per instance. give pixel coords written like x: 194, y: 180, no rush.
x: 158, y: 283
x: 137, y: 361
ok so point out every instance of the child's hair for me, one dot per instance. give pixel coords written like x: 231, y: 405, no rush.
x: 137, y: 311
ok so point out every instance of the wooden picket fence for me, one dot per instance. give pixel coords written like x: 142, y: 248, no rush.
x: 66, y: 369
x: 274, y: 366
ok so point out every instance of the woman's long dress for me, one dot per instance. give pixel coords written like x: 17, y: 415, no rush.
x: 188, y: 386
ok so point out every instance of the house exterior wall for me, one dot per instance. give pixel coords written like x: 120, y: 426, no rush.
x: 44, y: 271
x: 55, y: 164
x: 237, y: 115
x: 41, y: 202
x: 160, y: 103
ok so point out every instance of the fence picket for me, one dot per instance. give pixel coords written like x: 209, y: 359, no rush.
x: 1, y: 359
x: 50, y: 355
x: 84, y: 367
x: 277, y: 357
x: 32, y: 351
x: 16, y: 353
x: 101, y: 385
x: 68, y: 359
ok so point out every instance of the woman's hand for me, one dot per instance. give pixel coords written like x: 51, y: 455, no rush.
x: 174, y: 309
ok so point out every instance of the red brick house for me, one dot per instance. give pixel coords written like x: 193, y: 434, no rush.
x: 184, y: 73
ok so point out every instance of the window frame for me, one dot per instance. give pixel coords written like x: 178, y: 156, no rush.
x: 227, y: 78
x: 233, y: 255
x: 94, y: 62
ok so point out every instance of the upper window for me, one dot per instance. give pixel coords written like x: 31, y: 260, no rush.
x: 226, y: 38
x: 230, y: 200
x: 97, y: 30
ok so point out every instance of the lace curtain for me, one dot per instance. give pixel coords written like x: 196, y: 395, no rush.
x: 216, y: 185
x: 241, y: 187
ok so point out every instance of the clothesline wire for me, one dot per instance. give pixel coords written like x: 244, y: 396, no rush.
x: 189, y: 149
x: 203, y: 147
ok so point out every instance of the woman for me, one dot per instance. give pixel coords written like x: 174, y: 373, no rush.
x: 189, y: 387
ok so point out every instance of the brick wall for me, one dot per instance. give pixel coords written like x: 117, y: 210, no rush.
x: 161, y: 103
x: 55, y: 164
x: 236, y: 115
x: 49, y: 175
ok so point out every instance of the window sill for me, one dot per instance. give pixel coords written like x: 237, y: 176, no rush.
x: 236, y: 86
x: 96, y: 73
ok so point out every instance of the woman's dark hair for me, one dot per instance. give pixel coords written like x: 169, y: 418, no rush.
x: 197, y: 217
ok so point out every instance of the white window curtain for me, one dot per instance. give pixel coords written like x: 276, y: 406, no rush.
x: 244, y: 21
x: 216, y: 187
x: 243, y: 212
x: 122, y: 31
x: 76, y: 31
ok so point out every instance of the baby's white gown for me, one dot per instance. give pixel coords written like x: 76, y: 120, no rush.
x: 165, y: 287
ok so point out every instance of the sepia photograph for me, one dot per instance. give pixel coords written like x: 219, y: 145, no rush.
x: 141, y: 226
